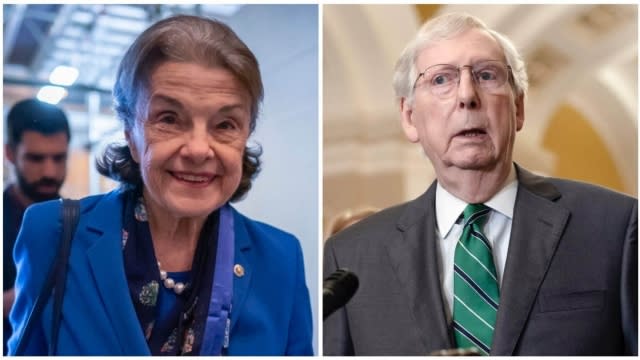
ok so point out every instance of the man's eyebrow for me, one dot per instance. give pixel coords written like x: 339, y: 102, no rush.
x: 45, y: 154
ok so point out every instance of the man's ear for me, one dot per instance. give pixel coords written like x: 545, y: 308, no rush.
x: 132, y: 146
x: 406, y: 112
x: 519, y: 112
x: 9, y: 153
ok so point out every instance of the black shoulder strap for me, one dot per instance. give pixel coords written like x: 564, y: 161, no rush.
x: 56, y: 278
x: 70, y: 215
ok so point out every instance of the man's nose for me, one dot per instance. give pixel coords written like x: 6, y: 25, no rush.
x: 467, y: 93
x: 52, y: 168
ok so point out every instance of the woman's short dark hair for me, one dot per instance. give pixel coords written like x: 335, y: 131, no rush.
x: 189, y: 39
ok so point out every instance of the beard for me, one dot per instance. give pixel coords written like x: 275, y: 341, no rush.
x: 31, y: 189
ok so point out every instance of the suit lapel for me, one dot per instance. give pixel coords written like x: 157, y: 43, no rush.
x: 538, y: 223
x: 104, y: 233
x: 414, y: 258
x: 243, y: 258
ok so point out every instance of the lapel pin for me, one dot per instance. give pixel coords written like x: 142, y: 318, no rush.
x: 238, y: 270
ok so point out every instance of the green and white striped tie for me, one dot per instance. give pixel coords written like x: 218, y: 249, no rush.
x: 475, y: 285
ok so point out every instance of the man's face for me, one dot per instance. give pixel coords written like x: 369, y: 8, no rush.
x: 472, y: 128
x: 41, y: 164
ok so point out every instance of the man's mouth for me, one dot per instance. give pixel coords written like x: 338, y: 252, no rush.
x: 472, y: 132
x: 48, y: 188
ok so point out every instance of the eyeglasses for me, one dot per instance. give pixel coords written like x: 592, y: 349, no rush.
x: 443, y: 79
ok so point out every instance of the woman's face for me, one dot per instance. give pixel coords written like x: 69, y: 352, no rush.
x: 189, y: 138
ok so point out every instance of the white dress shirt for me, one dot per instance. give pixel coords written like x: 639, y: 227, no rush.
x: 497, y: 229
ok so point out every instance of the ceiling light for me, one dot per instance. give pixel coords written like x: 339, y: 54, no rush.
x: 51, y: 94
x: 63, y: 75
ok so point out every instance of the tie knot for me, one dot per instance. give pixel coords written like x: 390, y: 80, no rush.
x: 475, y: 213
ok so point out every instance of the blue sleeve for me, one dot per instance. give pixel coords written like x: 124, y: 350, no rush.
x: 33, y: 254
x: 300, y: 335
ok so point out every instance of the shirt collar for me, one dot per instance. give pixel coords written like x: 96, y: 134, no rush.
x: 449, y: 207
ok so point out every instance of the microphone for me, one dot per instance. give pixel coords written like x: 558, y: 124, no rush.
x: 337, y: 290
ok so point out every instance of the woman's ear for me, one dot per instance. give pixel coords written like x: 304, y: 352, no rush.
x: 132, y: 146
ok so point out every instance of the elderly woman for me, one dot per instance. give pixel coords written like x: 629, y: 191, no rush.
x: 164, y: 265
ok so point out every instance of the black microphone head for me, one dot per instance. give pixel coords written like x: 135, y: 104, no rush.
x: 337, y: 290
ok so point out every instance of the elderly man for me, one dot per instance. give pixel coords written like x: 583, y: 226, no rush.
x: 491, y: 257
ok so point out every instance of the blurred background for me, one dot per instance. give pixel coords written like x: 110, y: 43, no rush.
x: 581, y: 115
x: 87, y: 43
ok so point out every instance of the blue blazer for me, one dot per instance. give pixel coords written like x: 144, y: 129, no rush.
x: 271, y: 309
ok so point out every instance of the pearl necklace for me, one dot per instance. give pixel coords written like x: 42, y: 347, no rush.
x: 169, y: 283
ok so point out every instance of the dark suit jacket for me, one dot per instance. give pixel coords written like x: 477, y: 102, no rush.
x: 569, y: 285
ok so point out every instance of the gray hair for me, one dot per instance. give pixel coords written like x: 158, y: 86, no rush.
x: 444, y: 27
x: 188, y: 39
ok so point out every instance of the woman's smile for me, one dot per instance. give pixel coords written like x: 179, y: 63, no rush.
x: 193, y: 179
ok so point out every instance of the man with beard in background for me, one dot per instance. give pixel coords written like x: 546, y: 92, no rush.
x: 38, y: 138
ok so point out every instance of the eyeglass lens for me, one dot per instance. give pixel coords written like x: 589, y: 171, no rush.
x: 442, y: 79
